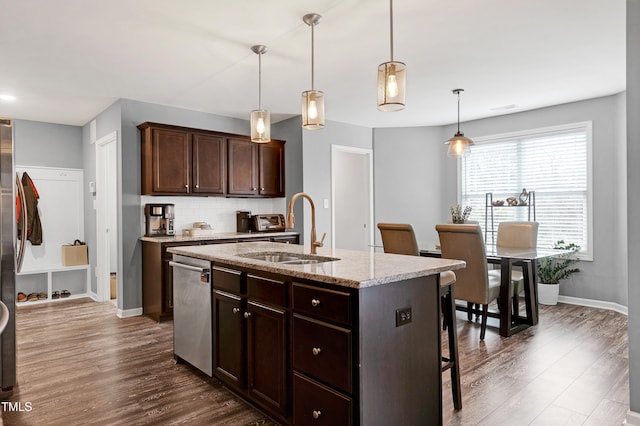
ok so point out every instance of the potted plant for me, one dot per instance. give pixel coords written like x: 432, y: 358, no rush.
x: 458, y: 215
x: 553, y: 270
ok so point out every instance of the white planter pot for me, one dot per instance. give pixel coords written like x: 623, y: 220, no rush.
x: 548, y: 294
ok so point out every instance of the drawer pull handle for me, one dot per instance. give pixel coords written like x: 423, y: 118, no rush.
x: 316, y: 351
x: 315, y: 302
x: 316, y: 414
x: 235, y: 310
x: 247, y: 314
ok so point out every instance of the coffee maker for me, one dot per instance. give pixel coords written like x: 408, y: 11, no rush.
x: 159, y: 220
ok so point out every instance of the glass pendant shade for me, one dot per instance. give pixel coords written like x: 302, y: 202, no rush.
x: 391, y: 86
x: 459, y: 145
x: 313, y: 109
x: 260, y: 126
x: 260, y: 118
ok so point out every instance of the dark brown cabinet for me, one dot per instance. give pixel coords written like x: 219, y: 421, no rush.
x: 208, y: 170
x: 185, y: 161
x: 255, y: 169
x: 250, y: 336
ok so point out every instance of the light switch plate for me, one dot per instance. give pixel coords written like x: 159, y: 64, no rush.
x: 326, y: 203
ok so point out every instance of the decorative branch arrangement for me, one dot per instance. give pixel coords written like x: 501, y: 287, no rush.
x: 458, y: 215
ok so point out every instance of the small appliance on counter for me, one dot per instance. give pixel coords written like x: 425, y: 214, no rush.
x: 159, y: 220
x: 243, y: 219
x: 267, y: 223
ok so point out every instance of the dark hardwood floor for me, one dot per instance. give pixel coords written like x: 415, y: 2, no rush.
x: 80, y: 364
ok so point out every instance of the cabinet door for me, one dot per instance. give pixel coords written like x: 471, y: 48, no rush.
x: 243, y: 167
x: 208, y: 164
x: 271, y: 169
x: 171, y: 161
x: 266, y: 356
x: 228, y: 338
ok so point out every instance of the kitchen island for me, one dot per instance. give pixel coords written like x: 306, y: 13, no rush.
x: 341, y: 337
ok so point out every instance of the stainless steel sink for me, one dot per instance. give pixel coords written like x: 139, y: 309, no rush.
x: 288, y: 258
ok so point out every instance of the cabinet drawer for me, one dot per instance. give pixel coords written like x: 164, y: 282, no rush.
x: 227, y: 279
x: 323, y: 351
x: 315, y: 404
x: 267, y: 290
x: 322, y: 303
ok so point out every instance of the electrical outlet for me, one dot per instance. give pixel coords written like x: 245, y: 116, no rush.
x: 403, y: 316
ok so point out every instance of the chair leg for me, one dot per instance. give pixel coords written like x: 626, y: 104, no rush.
x: 477, y: 311
x: 516, y: 305
x: 469, y: 311
x: 450, y: 318
x: 483, y: 327
x: 445, y: 312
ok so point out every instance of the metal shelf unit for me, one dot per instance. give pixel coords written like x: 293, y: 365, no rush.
x: 488, y: 211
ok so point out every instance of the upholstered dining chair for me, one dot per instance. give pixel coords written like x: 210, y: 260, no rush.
x: 516, y: 235
x: 399, y: 238
x: 473, y: 283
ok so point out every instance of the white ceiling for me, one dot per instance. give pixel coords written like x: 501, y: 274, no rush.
x: 67, y: 60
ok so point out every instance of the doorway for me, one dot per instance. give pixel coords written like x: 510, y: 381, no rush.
x: 107, y: 267
x: 352, y: 198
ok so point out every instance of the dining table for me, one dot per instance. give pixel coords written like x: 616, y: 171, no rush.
x: 507, y: 258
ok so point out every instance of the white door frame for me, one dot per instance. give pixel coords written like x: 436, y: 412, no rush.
x: 361, y: 151
x: 102, y: 218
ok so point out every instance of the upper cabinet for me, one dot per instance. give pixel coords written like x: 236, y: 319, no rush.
x: 184, y: 161
x: 256, y: 169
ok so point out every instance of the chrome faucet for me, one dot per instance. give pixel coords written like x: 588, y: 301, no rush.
x: 290, y: 220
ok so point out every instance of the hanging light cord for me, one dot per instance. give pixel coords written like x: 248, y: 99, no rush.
x: 391, y: 26
x: 260, y: 81
x: 458, y: 111
x: 312, y: 56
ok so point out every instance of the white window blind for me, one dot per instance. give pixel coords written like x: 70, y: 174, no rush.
x: 555, y: 163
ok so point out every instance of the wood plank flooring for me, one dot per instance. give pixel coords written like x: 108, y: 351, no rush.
x: 80, y: 364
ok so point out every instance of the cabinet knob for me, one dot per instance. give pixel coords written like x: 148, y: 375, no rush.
x: 316, y: 351
x: 187, y: 186
x: 247, y: 314
x: 316, y: 414
x: 253, y: 189
x: 235, y: 310
x: 197, y: 186
x: 261, y: 189
x: 315, y: 302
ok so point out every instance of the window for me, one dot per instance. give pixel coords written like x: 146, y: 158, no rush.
x: 553, y: 162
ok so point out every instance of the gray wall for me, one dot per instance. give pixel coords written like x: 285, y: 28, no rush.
x: 316, y: 156
x: 290, y: 130
x: 633, y: 196
x: 408, y: 167
x: 47, y: 144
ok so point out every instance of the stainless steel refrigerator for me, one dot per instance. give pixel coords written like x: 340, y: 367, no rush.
x: 7, y: 255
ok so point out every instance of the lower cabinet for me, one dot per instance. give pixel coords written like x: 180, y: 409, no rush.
x: 157, y: 275
x: 250, y: 326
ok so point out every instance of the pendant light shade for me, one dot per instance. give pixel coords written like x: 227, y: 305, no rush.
x: 459, y: 145
x: 312, y: 100
x: 392, y: 79
x: 260, y: 119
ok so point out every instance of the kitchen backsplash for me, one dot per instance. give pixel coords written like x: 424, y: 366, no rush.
x: 220, y: 213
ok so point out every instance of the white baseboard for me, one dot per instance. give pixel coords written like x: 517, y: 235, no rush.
x: 632, y: 419
x: 126, y: 313
x: 610, y: 306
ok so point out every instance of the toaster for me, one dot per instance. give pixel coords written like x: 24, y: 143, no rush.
x: 267, y: 223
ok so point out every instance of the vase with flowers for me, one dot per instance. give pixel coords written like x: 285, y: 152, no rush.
x: 458, y: 214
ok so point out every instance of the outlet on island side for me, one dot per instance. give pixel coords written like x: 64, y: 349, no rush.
x: 403, y: 316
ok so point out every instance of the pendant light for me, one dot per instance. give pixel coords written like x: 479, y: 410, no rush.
x: 312, y: 100
x: 260, y: 119
x: 392, y: 79
x: 458, y: 144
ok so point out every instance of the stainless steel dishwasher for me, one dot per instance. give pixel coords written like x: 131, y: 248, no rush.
x: 192, y: 312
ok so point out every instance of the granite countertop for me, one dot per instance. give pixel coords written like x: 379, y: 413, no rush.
x: 356, y: 269
x: 217, y: 236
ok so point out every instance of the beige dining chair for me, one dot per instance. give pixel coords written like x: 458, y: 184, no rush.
x: 516, y: 235
x: 399, y: 238
x: 473, y: 283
